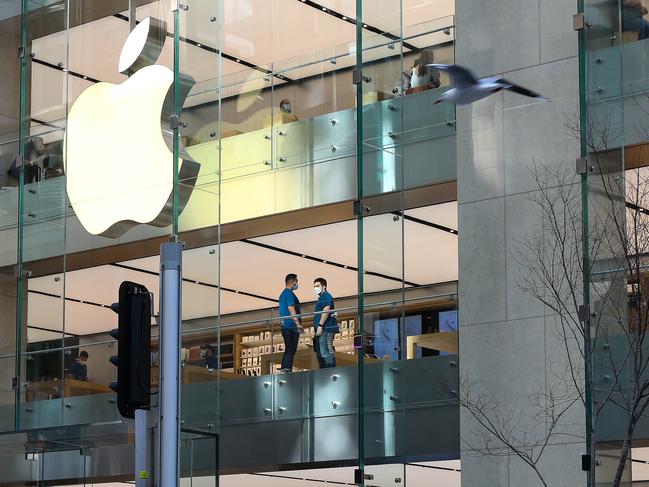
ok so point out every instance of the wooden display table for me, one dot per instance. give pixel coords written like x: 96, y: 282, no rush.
x: 305, y: 358
x: 442, y: 342
x: 51, y: 389
x: 192, y: 374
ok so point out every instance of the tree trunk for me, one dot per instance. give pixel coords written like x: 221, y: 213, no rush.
x: 624, y: 454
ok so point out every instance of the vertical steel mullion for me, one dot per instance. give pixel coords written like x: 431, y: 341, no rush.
x: 360, y: 243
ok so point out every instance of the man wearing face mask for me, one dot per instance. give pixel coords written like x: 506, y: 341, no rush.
x: 291, y: 323
x: 325, y: 322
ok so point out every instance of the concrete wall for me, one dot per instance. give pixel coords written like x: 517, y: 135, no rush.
x: 507, y: 342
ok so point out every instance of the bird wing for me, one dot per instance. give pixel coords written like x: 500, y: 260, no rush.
x: 521, y: 90
x: 462, y: 77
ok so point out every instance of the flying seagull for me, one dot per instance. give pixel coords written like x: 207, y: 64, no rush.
x: 469, y: 89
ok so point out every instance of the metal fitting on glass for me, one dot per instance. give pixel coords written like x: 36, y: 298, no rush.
x: 334, y: 377
x: 267, y: 136
x: 266, y: 385
x: 68, y: 405
x: 333, y: 121
x: 334, y: 148
x: 281, y: 409
x: 267, y: 411
x: 394, y: 370
x: 335, y: 404
x: 281, y: 132
x: 282, y: 159
x: 392, y: 108
x: 394, y: 398
x: 281, y: 382
x: 452, y: 363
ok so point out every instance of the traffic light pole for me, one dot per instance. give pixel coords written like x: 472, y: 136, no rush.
x: 169, y: 406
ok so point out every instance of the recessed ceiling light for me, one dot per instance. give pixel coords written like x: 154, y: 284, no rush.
x: 238, y: 60
x: 344, y: 17
x: 198, y: 45
x: 365, y: 25
x: 324, y: 9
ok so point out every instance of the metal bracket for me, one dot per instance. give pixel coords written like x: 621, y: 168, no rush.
x: 583, y: 313
x: 174, y: 122
x: 578, y: 22
x: 360, y: 209
x: 20, y: 160
x: 581, y: 165
x: 357, y: 77
x: 358, y: 476
x: 21, y: 51
x: 20, y: 271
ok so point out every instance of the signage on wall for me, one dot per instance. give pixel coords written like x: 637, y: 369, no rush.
x: 119, y: 145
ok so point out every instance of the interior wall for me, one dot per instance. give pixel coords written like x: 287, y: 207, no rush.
x: 9, y: 92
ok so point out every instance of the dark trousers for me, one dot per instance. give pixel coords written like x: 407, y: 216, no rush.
x: 291, y: 340
x: 316, y: 348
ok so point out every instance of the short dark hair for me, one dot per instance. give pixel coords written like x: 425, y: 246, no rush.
x: 83, y: 354
x: 322, y: 281
x: 290, y: 278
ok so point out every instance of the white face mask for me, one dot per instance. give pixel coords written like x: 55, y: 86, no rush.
x: 317, y: 291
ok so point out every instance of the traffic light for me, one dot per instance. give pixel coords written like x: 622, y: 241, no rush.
x: 133, y: 359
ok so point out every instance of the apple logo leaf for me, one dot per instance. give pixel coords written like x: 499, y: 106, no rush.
x: 118, y: 152
x: 143, y: 45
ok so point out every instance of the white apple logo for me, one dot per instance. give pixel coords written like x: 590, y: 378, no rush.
x: 118, y: 158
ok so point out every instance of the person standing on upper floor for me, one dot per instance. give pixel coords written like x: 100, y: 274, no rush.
x: 291, y: 322
x: 325, y: 322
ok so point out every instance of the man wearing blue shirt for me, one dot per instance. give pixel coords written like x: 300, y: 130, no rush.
x: 291, y: 322
x: 325, y: 322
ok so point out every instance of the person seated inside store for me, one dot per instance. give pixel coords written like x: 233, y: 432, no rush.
x: 422, y: 76
x: 211, y: 360
x: 633, y: 12
x: 79, y: 369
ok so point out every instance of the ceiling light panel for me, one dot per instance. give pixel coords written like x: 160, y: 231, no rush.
x: 444, y: 214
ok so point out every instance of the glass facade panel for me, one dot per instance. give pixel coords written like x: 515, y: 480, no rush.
x: 310, y: 316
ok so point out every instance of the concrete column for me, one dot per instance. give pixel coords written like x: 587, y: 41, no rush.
x: 507, y: 342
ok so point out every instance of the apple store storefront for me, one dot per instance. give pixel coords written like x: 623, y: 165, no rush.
x: 299, y: 162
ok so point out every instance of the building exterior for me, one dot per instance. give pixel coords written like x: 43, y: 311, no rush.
x: 280, y: 137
